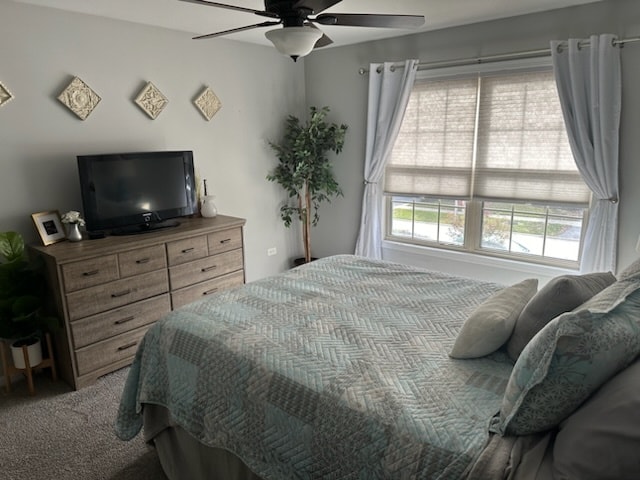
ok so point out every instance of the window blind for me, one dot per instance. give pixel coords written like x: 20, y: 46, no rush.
x: 493, y: 137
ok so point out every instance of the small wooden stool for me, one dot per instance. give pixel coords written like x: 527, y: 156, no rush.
x: 28, y: 370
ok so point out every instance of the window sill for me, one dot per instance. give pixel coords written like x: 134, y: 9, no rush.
x: 481, y: 267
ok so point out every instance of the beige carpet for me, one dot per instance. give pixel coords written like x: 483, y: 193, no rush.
x: 62, y: 434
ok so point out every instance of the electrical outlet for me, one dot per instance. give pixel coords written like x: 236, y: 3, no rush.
x: 272, y: 251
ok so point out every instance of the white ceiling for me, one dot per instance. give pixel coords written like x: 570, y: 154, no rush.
x: 201, y: 19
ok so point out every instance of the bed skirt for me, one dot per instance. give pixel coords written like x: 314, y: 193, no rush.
x: 182, y: 456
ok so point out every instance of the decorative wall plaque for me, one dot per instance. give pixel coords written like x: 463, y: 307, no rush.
x: 208, y: 103
x: 79, y: 98
x: 5, y: 95
x: 151, y: 100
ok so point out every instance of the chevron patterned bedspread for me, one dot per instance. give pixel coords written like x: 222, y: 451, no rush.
x: 334, y: 370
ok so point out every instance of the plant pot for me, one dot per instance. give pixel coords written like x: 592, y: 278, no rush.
x: 301, y: 261
x: 34, y: 350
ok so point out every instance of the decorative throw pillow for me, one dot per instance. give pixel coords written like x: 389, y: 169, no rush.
x: 562, y: 294
x: 490, y: 325
x: 631, y: 271
x: 569, y: 359
x: 601, y: 440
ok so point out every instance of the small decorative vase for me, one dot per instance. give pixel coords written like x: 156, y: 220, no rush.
x: 208, y: 208
x: 73, y: 232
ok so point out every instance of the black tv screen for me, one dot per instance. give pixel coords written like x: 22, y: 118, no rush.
x: 126, y: 193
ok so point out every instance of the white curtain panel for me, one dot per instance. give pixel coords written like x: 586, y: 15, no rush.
x: 588, y: 77
x: 389, y: 92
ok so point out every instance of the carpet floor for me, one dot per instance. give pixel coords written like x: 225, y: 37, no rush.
x: 67, y: 435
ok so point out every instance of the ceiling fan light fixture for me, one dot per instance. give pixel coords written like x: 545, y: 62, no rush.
x: 294, y: 41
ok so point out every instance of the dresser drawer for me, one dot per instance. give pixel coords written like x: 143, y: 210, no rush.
x: 88, y: 273
x: 116, y: 294
x: 114, y: 322
x: 205, y: 269
x: 196, y: 292
x: 142, y: 260
x: 109, y: 351
x: 224, y: 241
x: 182, y: 251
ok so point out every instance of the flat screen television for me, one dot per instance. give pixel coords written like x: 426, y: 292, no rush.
x: 129, y: 193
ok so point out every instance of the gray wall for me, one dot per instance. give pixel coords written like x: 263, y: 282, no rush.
x: 42, y: 49
x: 332, y: 78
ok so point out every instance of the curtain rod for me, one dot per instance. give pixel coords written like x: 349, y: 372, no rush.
x: 493, y: 58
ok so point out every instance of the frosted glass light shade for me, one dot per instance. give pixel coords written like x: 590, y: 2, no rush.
x: 294, y: 41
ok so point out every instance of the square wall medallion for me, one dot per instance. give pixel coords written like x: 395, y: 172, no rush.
x: 151, y: 100
x: 79, y: 98
x: 5, y: 95
x: 208, y: 103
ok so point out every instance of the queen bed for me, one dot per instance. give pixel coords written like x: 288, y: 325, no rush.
x: 355, y: 368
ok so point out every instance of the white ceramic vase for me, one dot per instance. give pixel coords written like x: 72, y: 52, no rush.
x: 208, y: 207
x: 34, y: 351
x: 73, y: 232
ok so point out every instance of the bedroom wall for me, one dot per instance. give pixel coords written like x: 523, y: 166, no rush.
x: 332, y: 75
x: 41, y: 49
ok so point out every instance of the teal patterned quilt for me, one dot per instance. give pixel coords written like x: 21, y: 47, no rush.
x: 338, y: 369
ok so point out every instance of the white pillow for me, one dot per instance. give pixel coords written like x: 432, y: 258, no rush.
x: 491, y: 324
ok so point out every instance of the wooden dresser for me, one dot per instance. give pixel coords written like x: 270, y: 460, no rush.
x: 108, y: 292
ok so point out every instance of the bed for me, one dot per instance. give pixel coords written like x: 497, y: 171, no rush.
x: 352, y: 368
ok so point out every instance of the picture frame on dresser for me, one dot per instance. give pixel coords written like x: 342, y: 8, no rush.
x: 49, y: 226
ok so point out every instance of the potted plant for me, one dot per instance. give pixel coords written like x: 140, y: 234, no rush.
x: 304, y: 170
x: 22, y: 293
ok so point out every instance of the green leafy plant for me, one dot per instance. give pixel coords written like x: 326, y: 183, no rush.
x: 22, y: 291
x: 304, y: 169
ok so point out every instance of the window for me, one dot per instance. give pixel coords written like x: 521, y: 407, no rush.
x: 482, y: 163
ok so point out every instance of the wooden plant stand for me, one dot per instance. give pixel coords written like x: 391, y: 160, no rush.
x: 9, y: 369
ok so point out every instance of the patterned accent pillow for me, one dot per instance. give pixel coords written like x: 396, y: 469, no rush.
x: 490, y: 325
x: 562, y: 294
x: 569, y: 359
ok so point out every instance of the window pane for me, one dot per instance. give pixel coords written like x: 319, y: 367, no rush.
x: 564, y: 233
x: 496, y: 227
x: 548, y: 232
x: 426, y: 221
x: 452, y: 219
x: 402, y: 217
x: 429, y: 220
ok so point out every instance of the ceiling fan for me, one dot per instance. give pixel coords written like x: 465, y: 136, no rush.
x: 299, y: 36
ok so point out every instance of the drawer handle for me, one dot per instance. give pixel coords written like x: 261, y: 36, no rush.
x: 124, y: 320
x: 91, y: 273
x: 143, y: 260
x: 187, y: 250
x: 208, y: 269
x: 127, y: 346
x: 121, y: 294
x: 226, y: 240
x: 209, y: 292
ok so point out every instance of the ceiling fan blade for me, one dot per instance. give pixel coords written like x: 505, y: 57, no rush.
x: 232, y: 7
x: 234, y: 30
x: 366, y: 20
x: 322, y: 41
x: 316, y: 6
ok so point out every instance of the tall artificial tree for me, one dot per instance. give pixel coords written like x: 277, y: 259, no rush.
x: 304, y: 169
